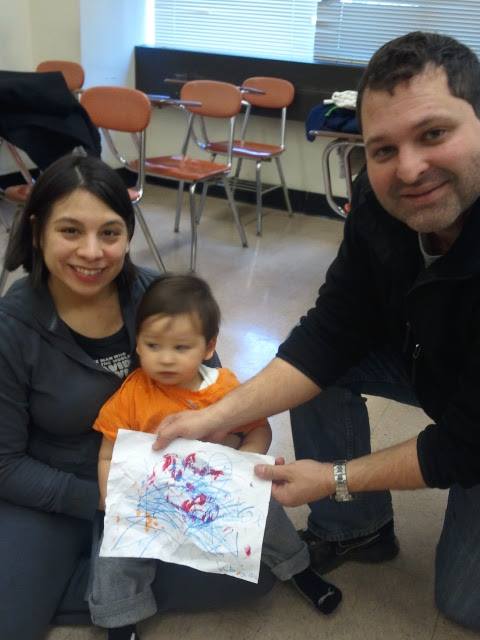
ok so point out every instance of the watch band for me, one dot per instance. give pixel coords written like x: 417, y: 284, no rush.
x: 342, y: 494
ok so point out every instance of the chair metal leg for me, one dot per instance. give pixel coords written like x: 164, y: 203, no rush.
x: 193, y: 227
x: 202, y: 202
x: 148, y: 238
x: 179, y: 206
x: 4, y: 223
x: 284, y: 186
x: 9, y: 229
x: 3, y: 279
x: 236, y: 217
x: 238, y: 168
x: 258, y: 177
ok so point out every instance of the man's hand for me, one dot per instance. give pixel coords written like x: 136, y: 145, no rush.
x: 193, y: 425
x: 300, y: 482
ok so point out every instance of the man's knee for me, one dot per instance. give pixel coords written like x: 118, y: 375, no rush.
x: 458, y: 602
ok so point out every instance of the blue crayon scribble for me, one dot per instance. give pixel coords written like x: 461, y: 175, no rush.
x: 183, y: 499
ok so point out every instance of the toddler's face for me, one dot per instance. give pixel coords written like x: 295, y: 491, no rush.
x: 171, y: 349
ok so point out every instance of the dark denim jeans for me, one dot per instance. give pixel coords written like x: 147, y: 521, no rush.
x: 334, y: 425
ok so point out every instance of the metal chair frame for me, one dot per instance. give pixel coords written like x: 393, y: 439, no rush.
x: 343, y: 144
x: 257, y: 186
x: 224, y: 170
x: 4, y: 195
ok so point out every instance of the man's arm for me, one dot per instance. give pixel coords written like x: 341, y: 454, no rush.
x: 276, y: 388
x: 104, y: 460
x: 306, y: 480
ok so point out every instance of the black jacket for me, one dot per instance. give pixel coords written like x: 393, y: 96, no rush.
x: 39, y: 115
x: 378, y: 291
x: 50, y: 394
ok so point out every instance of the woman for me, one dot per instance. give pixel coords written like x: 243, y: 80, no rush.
x: 66, y: 341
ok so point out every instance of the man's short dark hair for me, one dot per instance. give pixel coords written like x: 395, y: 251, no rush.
x: 409, y: 55
x: 177, y: 294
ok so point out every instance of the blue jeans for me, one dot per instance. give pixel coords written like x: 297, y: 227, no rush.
x: 334, y: 425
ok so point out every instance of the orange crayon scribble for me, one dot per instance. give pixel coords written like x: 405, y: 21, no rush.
x: 149, y: 521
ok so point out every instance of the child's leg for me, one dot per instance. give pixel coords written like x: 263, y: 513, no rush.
x: 121, y: 591
x: 285, y: 553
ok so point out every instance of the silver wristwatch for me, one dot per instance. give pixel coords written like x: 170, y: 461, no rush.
x: 342, y: 494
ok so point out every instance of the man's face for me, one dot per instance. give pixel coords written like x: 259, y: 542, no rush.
x: 423, y: 151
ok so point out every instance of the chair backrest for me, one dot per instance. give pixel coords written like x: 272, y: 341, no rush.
x: 72, y: 72
x: 124, y: 110
x: 117, y: 108
x: 278, y: 94
x: 219, y: 99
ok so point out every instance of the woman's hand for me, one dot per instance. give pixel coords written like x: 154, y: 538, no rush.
x: 299, y: 482
x: 192, y: 425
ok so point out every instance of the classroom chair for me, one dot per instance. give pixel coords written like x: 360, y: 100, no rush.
x: 214, y: 100
x: 128, y: 111
x: 268, y: 93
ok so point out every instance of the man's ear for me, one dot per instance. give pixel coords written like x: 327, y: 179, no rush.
x: 211, y: 345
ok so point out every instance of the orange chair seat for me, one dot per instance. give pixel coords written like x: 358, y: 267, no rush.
x: 246, y: 149
x: 184, y: 168
x: 18, y: 193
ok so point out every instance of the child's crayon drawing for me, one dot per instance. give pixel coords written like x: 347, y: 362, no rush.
x: 196, y: 503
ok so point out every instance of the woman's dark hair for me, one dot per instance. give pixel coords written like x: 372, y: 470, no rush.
x: 173, y: 295
x: 58, y: 181
x: 407, y: 56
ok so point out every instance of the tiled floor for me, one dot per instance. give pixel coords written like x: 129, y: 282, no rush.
x: 262, y: 291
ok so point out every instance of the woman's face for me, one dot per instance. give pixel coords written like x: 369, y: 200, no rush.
x: 84, y: 244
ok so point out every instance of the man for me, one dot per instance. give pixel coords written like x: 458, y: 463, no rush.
x: 398, y: 316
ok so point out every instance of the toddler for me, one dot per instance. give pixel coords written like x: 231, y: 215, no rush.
x: 177, y: 327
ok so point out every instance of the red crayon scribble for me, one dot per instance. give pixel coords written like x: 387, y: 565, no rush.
x: 189, y: 460
x: 168, y: 460
x: 187, y: 505
x: 151, y: 478
x: 248, y: 550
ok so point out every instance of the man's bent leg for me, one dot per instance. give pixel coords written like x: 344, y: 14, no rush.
x: 335, y: 426
x: 457, y: 582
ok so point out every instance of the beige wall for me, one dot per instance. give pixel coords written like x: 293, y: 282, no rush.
x: 55, y: 29
x: 15, y: 35
x: 101, y: 35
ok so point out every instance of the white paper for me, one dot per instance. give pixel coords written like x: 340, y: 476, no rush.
x: 193, y: 503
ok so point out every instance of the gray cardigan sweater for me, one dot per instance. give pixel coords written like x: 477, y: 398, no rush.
x: 50, y: 394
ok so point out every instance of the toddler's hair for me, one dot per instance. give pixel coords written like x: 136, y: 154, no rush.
x: 176, y: 294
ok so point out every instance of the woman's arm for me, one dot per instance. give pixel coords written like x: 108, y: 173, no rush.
x: 104, y: 461
x: 24, y: 480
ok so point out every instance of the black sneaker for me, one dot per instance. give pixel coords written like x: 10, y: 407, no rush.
x: 123, y: 633
x: 380, y: 546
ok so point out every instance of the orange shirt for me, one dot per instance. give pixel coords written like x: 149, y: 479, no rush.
x: 141, y: 404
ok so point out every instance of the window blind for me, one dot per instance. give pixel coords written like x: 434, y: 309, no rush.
x: 350, y: 31
x: 276, y: 29
x: 339, y: 31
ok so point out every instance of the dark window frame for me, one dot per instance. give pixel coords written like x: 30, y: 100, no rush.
x: 313, y: 81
